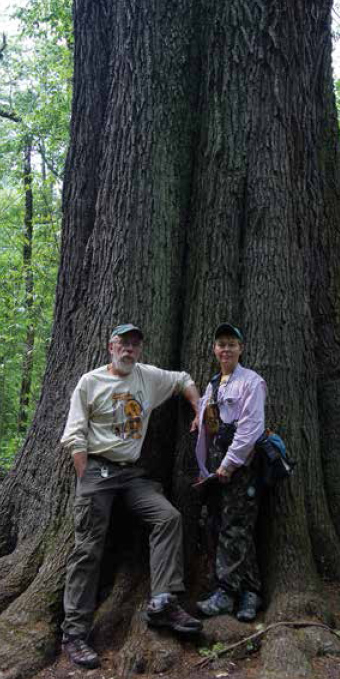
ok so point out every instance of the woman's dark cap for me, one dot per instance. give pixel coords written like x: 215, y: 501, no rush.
x: 228, y: 329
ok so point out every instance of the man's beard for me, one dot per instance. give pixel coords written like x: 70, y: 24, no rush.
x: 125, y: 367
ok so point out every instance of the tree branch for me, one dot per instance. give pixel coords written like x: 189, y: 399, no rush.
x: 10, y: 115
x: 4, y: 45
x: 336, y: 13
x: 48, y: 164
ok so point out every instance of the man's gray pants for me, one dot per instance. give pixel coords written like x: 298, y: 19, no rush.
x: 92, y: 514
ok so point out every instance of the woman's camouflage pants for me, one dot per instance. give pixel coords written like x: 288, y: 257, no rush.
x: 233, y: 509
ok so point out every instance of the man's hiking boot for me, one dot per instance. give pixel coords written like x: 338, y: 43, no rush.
x: 219, y: 602
x: 172, y: 616
x: 250, y: 603
x: 80, y: 652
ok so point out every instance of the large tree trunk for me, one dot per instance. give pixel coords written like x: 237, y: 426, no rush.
x: 200, y: 186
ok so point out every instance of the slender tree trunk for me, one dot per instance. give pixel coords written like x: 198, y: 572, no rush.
x: 2, y: 395
x: 27, y: 363
x: 200, y: 186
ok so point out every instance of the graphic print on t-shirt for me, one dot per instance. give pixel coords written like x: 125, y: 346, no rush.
x: 127, y: 416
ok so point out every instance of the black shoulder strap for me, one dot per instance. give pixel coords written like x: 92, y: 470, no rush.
x: 215, y: 383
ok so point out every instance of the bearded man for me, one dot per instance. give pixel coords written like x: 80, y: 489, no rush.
x: 107, y: 423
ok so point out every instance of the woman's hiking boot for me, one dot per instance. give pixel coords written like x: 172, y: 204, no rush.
x: 250, y: 603
x: 219, y: 603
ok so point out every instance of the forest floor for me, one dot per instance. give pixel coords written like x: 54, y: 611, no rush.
x: 244, y: 664
x: 326, y: 667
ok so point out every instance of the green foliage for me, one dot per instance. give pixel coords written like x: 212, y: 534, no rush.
x: 214, y: 652
x: 337, y: 96
x: 336, y: 52
x: 36, y: 79
x: 36, y: 73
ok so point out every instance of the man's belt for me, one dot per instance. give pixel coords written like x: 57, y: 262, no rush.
x: 105, y: 460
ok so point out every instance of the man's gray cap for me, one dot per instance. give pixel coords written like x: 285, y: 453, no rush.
x: 123, y: 329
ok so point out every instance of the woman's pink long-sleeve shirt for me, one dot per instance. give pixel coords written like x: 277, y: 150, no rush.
x: 242, y: 398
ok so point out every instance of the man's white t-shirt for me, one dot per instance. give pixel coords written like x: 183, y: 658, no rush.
x: 109, y: 414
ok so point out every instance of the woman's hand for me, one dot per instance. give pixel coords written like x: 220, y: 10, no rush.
x: 224, y: 475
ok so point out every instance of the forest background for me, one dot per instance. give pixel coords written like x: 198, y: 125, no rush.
x: 35, y: 101
x: 36, y: 64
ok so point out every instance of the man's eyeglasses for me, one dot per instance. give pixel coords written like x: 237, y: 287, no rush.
x: 134, y: 343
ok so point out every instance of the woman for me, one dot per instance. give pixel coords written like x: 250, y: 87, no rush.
x: 231, y: 419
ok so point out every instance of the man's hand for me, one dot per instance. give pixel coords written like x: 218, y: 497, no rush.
x: 224, y: 475
x: 80, y: 463
x: 191, y: 394
x: 194, y: 424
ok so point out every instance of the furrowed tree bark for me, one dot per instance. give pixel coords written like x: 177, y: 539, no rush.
x: 258, y: 239
x: 200, y: 186
x: 128, y: 70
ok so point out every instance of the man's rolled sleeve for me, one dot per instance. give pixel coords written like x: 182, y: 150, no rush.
x: 184, y: 381
x: 169, y: 382
x: 75, y: 434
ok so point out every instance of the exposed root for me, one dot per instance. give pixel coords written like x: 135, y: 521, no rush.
x: 25, y: 649
x: 288, y: 653
x: 284, y: 651
x: 28, y: 627
x: 283, y: 658
x: 18, y: 570
x: 315, y: 644
x: 290, y: 605
x: 147, y: 650
x: 120, y: 620
x: 225, y: 630
x: 114, y: 615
